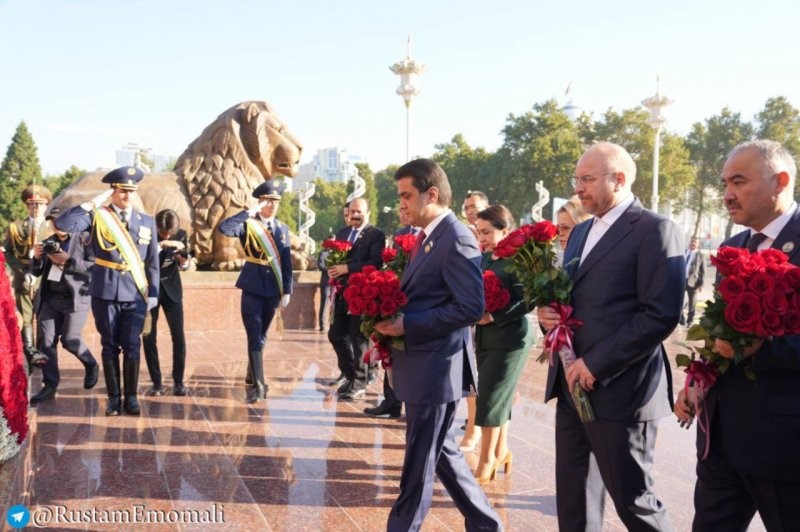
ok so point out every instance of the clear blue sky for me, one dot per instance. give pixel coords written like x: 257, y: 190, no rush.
x: 91, y: 75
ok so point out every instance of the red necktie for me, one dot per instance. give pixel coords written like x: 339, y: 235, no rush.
x: 417, y: 245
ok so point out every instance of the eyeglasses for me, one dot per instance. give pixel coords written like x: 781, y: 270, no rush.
x: 587, y: 179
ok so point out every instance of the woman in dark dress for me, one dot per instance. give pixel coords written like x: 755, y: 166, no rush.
x: 502, y: 343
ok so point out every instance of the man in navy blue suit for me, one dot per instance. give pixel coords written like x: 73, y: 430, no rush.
x: 754, y: 430
x: 266, y: 277
x: 125, y: 278
x: 628, y: 281
x: 444, y: 286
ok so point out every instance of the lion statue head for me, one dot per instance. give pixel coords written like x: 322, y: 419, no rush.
x: 213, y: 178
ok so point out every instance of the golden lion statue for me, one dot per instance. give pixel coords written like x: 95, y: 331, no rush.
x: 213, y: 178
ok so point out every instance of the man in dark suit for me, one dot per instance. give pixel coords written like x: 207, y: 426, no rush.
x: 444, y: 286
x: 62, y: 305
x: 344, y: 332
x: 173, y: 258
x: 628, y: 279
x: 125, y: 278
x: 695, y: 275
x: 266, y: 277
x: 754, y: 407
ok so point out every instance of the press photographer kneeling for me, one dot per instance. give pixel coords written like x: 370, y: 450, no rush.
x: 62, y: 304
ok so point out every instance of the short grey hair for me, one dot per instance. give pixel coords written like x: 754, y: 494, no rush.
x: 776, y: 158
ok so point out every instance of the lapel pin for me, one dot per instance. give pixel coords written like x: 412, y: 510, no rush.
x: 428, y: 246
x: 788, y: 247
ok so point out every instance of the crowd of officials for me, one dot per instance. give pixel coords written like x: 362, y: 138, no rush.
x: 630, y: 272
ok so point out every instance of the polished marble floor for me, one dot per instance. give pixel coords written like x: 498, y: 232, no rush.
x: 302, y: 460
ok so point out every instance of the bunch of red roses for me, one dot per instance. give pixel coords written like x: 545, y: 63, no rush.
x: 533, y: 260
x: 338, y: 250
x: 375, y: 295
x: 495, y: 295
x: 396, y: 257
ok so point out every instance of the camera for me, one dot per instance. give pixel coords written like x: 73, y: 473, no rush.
x: 51, y: 246
x: 186, y: 253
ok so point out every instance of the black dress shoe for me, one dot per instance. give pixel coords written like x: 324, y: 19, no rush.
x: 338, y: 381
x: 132, y: 405
x: 344, y: 388
x: 45, y: 394
x: 383, y: 410
x: 353, y: 394
x: 179, y: 389
x: 90, y: 377
x: 114, y: 407
x: 156, y: 390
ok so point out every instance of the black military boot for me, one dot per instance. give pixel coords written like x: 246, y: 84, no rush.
x: 111, y: 376
x: 130, y: 371
x: 259, y: 388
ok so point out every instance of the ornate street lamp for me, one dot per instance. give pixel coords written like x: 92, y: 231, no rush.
x: 408, y: 70
x: 656, y: 104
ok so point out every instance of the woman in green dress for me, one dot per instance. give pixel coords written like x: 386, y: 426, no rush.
x: 502, y: 343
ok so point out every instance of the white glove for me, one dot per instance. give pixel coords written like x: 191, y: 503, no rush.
x: 257, y: 209
x: 97, y: 200
x: 151, y: 303
x: 285, y: 300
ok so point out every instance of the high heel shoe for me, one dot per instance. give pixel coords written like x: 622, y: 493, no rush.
x: 481, y: 480
x: 470, y: 448
x: 506, y: 463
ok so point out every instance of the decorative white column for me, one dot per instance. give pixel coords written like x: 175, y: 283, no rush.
x: 359, y: 186
x: 311, y: 217
x: 544, y: 199
x: 408, y: 70
x: 656, y: 104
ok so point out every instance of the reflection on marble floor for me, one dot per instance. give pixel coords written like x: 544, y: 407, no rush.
x: 302, y: 460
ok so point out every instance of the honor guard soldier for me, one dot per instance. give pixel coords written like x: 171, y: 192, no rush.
x: 22, y: 236
x: 266, y: 277
x: 125, y: 279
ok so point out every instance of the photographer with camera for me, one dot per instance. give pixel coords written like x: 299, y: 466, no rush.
x: 173, y: 257
x: 62, y: 304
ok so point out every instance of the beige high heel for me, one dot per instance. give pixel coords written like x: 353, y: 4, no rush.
x: 488, y: 478
x: 506, y: 463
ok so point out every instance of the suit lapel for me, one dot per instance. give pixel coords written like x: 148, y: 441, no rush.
x: 618, y: 230
x: 421, y: 254
x: 788, y: 239
x: 575, y: 247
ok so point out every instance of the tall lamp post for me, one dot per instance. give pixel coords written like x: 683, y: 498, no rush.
x: 656, y: 104
x: 408, y: 70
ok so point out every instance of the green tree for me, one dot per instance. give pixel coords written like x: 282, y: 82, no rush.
x: 465, y: 168
x: 386, y: 192
x: 540, y: 145
x: 327, y: 204
x: 779, y: 120
x: 288, y: 209
x: 19, y: 169
x: 57, y: 183
x: 630, y: 130
x: 709, y: 144
x: 370, y: 193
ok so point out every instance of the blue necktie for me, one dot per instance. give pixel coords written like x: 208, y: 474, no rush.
x: 352, y: 237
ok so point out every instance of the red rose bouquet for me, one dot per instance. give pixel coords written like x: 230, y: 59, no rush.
x: 396, y: 257
x: 757, y: 297
x: 495, y: 295
x: 533, y: 259
x: 338, y: 251
x: 375, y: 295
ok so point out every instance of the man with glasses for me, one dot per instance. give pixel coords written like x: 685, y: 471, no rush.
x: 628, y: 292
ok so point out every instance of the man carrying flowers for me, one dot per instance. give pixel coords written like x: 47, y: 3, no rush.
x: 628, y: 284
x: 753, y: 407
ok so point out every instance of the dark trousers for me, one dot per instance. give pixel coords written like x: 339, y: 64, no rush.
x: 727, y: 499
x: 173, y: 311
x: 349, y: 344
x: 120, y: 326
x: 389, y: 398
x: 691, y: 296
x: 431, y: 448
x: 257, y: 314
x: 57, y: 320
x: 324, y: 304
x: 624, y: 458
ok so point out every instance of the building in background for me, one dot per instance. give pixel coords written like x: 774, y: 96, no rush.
x: 126, y: 156
x: 332, y: 165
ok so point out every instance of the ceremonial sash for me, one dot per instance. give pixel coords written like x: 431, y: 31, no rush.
x: 258, y: 234
x: 108, y: 227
